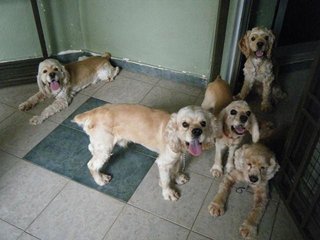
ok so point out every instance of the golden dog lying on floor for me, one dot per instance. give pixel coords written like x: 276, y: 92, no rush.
x: 63, y: 82
x: 171, y: 136
x: 255, y: 165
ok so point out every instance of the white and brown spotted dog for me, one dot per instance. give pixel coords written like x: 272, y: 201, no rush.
x: 63, y: 82
x: 255, y: 165
x: 257, y: 45
x: 237, y: 121
x: 171, y: 136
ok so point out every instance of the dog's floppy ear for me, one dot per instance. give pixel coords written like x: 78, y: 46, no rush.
x: 66, y: 76
x: 273, y: 168
x: 254, y: 129
x: 171, y: 134
x: 270, y: 42
x: 42, y: 87
x: 244, y: 44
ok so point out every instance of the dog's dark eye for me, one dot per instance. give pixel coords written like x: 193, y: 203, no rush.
x: 203, y: 123
x: 253, y: 38
x: 185, y: 124
x: 55, y: 69
x: 45, y: 71
x: 266, y: 38
x: 263, y: 168
x: 248, y: 113
x: 249, y: 165
x: 233, y: 112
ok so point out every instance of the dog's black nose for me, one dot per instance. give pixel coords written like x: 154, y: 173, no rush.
x: 52, y: 74
x: 260, y: 44
x: 243, y: 118
x: 253, y: 178
x: 196, y: 132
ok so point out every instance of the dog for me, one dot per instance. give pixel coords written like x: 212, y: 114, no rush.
x: 217, y: 96
x: 63, y: 82
x: 257, y: 45
x: 171, y: 136
x: 255, y: 165
x: 237, y: 120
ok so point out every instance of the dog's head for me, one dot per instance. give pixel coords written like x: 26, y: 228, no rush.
x: 237, y: 119
x: 190, y: 128
x: 52, y: 76
x: 257, y: 42
x: 256, y: 162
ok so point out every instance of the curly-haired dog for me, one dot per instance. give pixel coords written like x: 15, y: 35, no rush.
x: 255, y: 165
x: 168, y: 135
x: 236, y: 119
x: 63, y: 82
x: 217, y: 96
x: 256, y: 45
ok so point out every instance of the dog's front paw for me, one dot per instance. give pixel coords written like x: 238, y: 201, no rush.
x: 266, y: 107
x: 182, y: 178
x: 170, y: 194
x: 36, y: 120
x: 215, y: 209
x: 248, y: 231
x: 216, y: 171
x: 25, y: 106
x: 103, y: 179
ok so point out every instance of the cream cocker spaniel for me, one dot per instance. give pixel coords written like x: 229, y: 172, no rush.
x: 256, y: 45
x: 255, y: 165
x: 63, y: 82
x: 188, y: 130
x: 237, y: 120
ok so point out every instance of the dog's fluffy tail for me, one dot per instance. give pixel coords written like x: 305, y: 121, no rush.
x: 107, y: 55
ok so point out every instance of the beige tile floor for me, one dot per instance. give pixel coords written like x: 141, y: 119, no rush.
x: 38, y: 204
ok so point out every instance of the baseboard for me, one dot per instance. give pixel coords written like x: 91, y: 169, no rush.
x: 162, y: 73
x: 25, y: 71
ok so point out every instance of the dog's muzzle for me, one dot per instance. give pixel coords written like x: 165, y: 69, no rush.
x: 253, y: 178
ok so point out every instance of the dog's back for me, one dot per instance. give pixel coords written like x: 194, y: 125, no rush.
x: 218, y: 95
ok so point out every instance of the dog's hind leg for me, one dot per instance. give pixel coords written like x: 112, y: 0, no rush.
x: 101, y: 149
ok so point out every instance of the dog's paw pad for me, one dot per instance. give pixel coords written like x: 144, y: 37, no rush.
x: 36, y: 120
x: 24, y: 107
x: 215, y: 209
x: 216, y: 173
x: 103, y: 179
x: 182, y: 179
x: 248, y: 231
x: 171, y: 195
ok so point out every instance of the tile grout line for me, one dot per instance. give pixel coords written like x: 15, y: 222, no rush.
x: 67, y: 182
x: 108, y: 230
x: 274, y: 220
x: 204, y: 199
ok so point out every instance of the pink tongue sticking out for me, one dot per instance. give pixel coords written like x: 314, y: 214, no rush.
x: 259, y: 53
x: 240, y: 129
x: 195, y: 148
x: 54, y: 85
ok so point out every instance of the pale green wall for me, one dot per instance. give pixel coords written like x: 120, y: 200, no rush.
x: 18, y: 34
x: 174, y: 34
x: 62, y: 25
